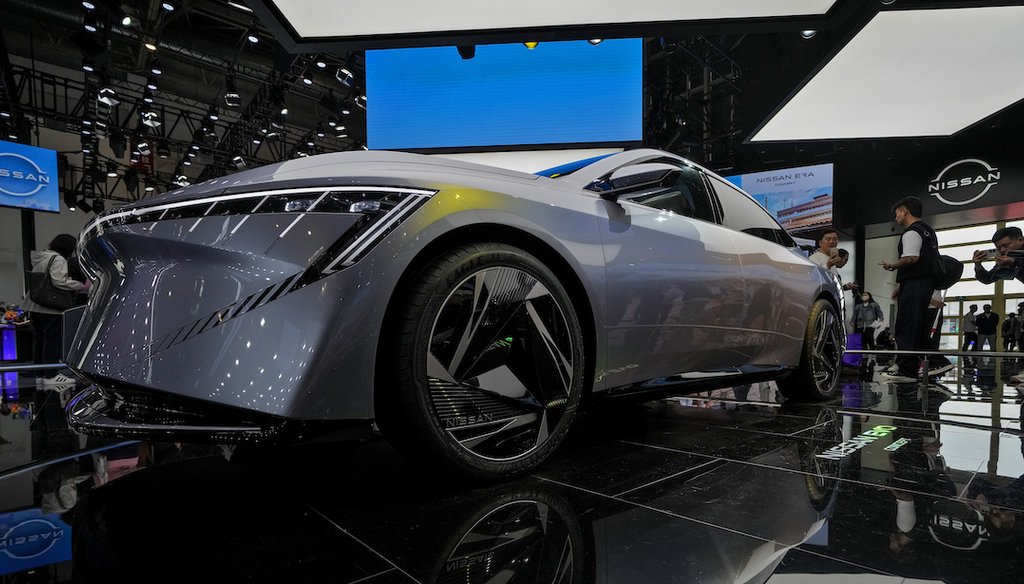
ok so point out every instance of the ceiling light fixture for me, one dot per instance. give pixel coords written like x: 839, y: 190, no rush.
x: 87, y: 65
x: 88, y: 5
x: 808, y: 34
x: 151, y: 83
x: 168, y: 6
x: 111, y: 170
x: 595, y: 41
x: 252, y: 35
x: 212, y: 114
x: 239, y: 6
x: 150, y: 45
x: 321, y: 63
x: 90, y: 23
x: 155, y: 68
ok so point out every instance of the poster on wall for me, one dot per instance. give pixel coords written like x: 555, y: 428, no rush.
x: 799, y: 198
x: 28, y: 177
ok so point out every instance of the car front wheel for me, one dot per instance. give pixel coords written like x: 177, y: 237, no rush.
x: 488, y: 368
x: 821, y: 360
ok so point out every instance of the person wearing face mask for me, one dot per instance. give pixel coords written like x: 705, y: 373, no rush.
x: 987, y: 322
x: 866, y: 314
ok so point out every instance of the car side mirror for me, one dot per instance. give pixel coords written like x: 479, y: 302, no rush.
x: 630, y: 178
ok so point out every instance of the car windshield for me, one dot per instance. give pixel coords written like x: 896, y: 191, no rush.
x: 571, y: 167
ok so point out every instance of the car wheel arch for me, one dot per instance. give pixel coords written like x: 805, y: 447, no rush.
x: 493, y: 233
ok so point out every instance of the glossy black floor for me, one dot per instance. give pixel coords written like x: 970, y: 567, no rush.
x: 731, y: 486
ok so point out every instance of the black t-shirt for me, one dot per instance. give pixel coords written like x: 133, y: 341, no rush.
x: 987, y: 323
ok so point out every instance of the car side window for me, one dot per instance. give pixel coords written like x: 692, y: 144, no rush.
x: 684, y: 195
x: 742, y: 213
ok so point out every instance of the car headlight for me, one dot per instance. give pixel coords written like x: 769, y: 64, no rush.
x: 379, y: 209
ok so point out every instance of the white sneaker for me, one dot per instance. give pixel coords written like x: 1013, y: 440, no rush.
x: 897, y: 377
x: 60, y: 379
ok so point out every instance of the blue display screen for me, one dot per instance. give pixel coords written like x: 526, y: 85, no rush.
x: 29, y: 539
x: 28, y: 177
x: 557, y: 93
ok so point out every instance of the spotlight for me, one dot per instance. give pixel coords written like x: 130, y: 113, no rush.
x: 284, y: 110
x: 194, y: 146
x: 151, y: 118
x: 90, y: 23
x: 150, y: 45
x: 163, y: 150
x: 87, y: 65
x: 306, y: 79
x: 151, y: 83
x: 361, y: 101
x: 70, y: 200
x: 187, y: 162
x: 345, y: 112
x: 212, y: 114
x: 129, y: 20
x: 344, y: 76
x: 231, y: 96
x: 332, y: 122
x: 595, y: 41
x: 252, y: 35
x: 155, y: 68
x: 147, y: 96
x: 168, y: 6
x: 321, y: 63
x: 320, y: 131
x: 531, y: 45
x: 239, y: 162
x: 310, y: 142
x: 150, y: 187
x: 88, y: 5
x: 467, y: 52
x: 142, y: 145
x: 108, y: 96
x: 111, y: 170
x: 808, y: 34
x: 256, y: 140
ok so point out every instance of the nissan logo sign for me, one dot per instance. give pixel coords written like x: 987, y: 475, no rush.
x: 30, y: 539
x: 20, y: 176
x: 964, y: 181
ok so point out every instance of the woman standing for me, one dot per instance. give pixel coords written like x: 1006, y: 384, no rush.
x: 866, y: 313
x: 46, y: 321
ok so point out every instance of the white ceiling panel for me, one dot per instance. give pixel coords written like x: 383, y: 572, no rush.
x: 911, y: 73
x: 330, y: 18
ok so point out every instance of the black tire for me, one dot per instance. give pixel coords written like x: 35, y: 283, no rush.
x: 821, y: 360
x: 489, y: 364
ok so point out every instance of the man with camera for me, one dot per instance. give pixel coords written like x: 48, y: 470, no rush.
x: 1008, y: 257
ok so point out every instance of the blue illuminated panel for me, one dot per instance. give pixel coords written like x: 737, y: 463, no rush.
x: 28, y: 177
x: 557, y: 93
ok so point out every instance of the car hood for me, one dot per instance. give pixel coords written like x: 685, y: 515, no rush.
x: 340, y: 167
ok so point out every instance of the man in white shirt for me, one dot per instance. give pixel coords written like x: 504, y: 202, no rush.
x: 830, y: 257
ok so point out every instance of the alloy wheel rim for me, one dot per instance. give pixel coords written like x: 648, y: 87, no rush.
x: 827, y: 351
x: 500, y: 364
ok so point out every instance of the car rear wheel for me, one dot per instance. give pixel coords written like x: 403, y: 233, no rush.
x: 821, y: 360
x: 489, y: 363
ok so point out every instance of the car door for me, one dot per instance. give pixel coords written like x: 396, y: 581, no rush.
x: 675, y: 285
x: 775, y: 279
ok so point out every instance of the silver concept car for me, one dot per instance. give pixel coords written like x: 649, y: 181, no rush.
x: 466, y: 310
